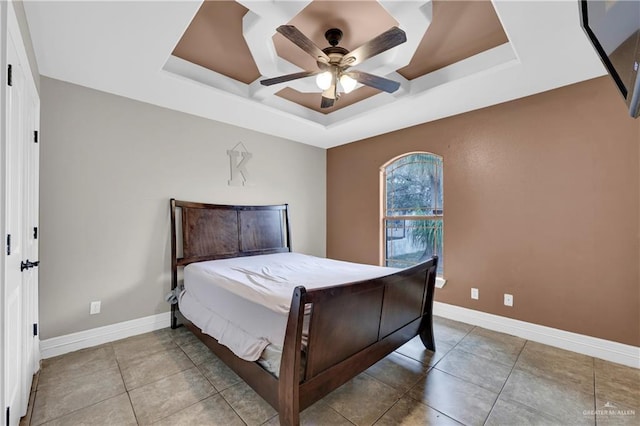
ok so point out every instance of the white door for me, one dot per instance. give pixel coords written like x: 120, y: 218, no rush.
x: 20, y: 156
x: 14, y: 226
x: 31, y: 346
x: 3, y: 85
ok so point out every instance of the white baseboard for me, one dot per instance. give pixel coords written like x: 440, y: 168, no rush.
x: 587, y: 345
x: 97, y: 336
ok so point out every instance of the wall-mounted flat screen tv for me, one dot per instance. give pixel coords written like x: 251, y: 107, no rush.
x: 613, y: 26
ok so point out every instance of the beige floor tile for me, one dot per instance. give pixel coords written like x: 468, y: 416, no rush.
x: 322, y: 414
x: 85, y: 361
x: 617, y: 394
x: 415, y: 349
x: 617, y: 384
x: 140, y: 371
x: 248, y: 404
x: 183, y: 336
x: 113, y: 411
x: 409, y: 412
x: 614, y: 413
x: 492, y: 345
x: 449, y: 332
x: 217, y: 372
x: 198, y: 352
x: 363, y: 399
x: 213, y: 411
x: 398, y: 371
x: 61, y: 398
x: 463, y: 401
x: 513, y: 413
x: 480, y: 371
x: 160, y: 399
x: 559, y: 400
x: 275, y: 421
x: 143, y: 345
x: 319, y: 414
x: 557, y: 364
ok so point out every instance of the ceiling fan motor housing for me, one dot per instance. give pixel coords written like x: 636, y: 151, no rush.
x: 335, y: 55
x: 334, y: 52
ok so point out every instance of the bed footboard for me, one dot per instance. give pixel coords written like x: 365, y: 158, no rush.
x: 351, y: 328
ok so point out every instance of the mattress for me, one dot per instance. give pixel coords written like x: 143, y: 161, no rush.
x: 244, y: 302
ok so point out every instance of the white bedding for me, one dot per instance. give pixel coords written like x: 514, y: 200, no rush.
x: 244, y: 302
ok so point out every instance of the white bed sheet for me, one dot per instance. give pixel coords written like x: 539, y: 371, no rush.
x: 244, y: 302
x: 256, y: 349
x: 269, y: 280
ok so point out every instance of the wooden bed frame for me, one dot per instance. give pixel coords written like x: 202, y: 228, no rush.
x: 351, y: 326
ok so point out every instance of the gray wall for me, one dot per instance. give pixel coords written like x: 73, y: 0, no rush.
x: 108, y: 168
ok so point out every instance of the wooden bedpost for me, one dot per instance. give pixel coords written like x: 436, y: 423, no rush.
x: 289, y: 378
x: 426, y: 325
x: 174, y: 264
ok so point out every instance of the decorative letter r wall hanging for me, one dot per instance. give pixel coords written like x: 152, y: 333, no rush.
x: 239, y: 173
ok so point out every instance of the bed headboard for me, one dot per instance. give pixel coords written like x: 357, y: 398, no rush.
x: 213, y: 231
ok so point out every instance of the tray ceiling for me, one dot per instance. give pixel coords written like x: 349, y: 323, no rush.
x: 207, y: 58
x: 448, y: 32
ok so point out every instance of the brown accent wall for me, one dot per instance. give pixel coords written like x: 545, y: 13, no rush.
x: 541, y: 199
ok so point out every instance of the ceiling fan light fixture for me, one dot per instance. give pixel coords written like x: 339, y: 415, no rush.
x: 348, y: 83
x: 324, y: 79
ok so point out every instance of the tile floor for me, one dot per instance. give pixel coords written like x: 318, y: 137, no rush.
x: 475, y: 377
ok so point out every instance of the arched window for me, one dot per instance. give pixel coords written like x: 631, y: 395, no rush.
x: 412, y: 209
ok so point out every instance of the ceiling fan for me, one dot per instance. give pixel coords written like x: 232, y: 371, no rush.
x: 334, y: 62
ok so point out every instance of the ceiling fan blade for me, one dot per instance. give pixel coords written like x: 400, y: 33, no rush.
x: 374, y: 81
x: 303, y: 42
x: 288, y: 77
x: 328, y: 97
x: 385, y: 41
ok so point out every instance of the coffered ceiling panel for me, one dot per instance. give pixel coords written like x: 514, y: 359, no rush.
x: 214, y: 40
x: 460, y: 29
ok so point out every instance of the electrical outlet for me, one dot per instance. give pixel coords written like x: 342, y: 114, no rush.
x: 474, y: 293
x: 95, y: 308
x: 508, y: 299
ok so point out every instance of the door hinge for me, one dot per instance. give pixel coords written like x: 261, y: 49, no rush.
x: 8, y: 244
x: 35, y: 232
x: 35, y: 329
x: 9, y: 75
x: 35, y: 136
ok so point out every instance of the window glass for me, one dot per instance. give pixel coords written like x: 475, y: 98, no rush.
x: 413, y: 210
